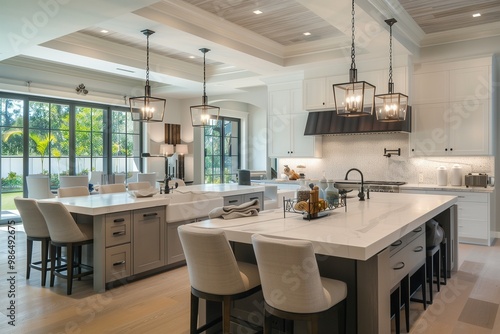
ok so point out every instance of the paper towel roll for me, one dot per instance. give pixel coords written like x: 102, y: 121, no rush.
x: 456, y: 175
x: 442, y: 176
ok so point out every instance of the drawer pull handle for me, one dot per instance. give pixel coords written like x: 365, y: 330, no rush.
x: 397, y: 243
x: 150, y: 214
x: 233, y: 201
x: 418, y: 249
x: 119, y: 220
x: 252, y: 198
x: 119, y: 263
x: 461, y: 196
x: 115, y: 234
x: 400, y: 266
x: 418, y: 229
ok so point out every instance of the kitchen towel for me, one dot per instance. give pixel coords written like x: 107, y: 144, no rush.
x: 236, y: 211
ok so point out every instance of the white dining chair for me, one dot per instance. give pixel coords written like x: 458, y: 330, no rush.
x: 139, y: 185
x: 149, y: 177
x: 119, y: 178
x: 73, y: 191
x: 38, y: 186
x: 73, y: 181
x: 112, y: 188
x: 95, y: 177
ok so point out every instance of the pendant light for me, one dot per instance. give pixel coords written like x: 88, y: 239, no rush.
x: 147, y: 108
x: 200, y: 114
x: 355, y: 98
x: 391, y: 107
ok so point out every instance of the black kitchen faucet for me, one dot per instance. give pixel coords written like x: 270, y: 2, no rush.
x: 361, y: 193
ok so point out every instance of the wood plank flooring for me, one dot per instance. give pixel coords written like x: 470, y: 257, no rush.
x: 160, y: 304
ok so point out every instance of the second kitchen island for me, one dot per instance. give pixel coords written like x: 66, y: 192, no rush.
x: 364, y: 247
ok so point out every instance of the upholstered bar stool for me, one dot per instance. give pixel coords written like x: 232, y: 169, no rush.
x: 73, y: 191
x: 215, y: 275
x: 65, y: 232
x: 38, y: 186
x: 433, y: 267
x: 36, y: 230
x: 112, y: 188
x: 138, y: 185
x: 304, y: 295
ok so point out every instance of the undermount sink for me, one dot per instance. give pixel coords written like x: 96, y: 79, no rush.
x: 189, y: 206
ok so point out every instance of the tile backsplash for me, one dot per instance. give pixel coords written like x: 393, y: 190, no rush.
x: 366, y: 152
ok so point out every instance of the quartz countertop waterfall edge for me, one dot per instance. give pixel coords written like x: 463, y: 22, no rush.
x: 364, y: 230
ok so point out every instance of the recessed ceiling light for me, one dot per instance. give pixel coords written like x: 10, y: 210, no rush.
x: 192, y: 57
x: 104, y: 31
x: 476, y: 15
x: 257, y: 12
x: 307, y: 34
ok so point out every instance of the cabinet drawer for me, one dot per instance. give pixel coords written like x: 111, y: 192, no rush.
x: 233, y: 200
x: 464, y: 196
x: 404, y: 261
x: 252, y: 196
x: 405, y: 240
x: 118, y: 228
x: 473, y: 210
x: 118, y: 264
x: 469, y: 228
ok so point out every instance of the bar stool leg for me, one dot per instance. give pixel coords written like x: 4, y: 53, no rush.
x: 45, y: 257
x: 29, y: 249
x: 226, y: 315
x: 194, y: 314
x: 69, y: 279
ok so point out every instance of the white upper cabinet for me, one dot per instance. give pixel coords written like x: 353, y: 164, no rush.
x: 287, y: 120
x: 452, y: 113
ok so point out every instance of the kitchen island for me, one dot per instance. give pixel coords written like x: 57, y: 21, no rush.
x: 365, y: 246
x: 131, y: 234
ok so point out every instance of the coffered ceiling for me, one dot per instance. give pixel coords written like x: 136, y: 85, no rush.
x: 101, y: 40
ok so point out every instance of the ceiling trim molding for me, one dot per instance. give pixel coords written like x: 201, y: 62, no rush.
x: 462, y: 34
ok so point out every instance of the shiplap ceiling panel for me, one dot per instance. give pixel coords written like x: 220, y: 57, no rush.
x: 442, y: 15
x: 282, y: 21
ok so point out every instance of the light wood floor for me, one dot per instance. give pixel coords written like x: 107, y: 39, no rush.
x: 160, y: 304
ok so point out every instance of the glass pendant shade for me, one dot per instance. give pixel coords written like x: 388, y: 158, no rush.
x: 391, y: 107
x: 354, y: 98
x: 201, y: 114
x: 147, y: 108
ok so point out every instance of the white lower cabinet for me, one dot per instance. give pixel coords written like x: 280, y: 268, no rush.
x: 240, y: 199
x: 476, y: 213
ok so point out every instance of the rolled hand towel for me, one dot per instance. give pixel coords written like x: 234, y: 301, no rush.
x: 236, y: 211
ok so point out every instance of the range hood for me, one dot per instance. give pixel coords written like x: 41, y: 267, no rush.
x: 329, y: 123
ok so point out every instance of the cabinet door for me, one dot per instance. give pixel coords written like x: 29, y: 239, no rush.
x: 175, y: 253
x: 431, y: 87
x: 468, y: 84
x: 469, y: 128
x: 430, y: 131
x: 279, y: 102
x: 302, y: 146
x: 279, y: 135
x: 315, y: 94
x: 149, y: 239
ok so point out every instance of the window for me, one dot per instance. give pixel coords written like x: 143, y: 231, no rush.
x: 58, y: 137
x: 222, y: 150
x: 125, y: 143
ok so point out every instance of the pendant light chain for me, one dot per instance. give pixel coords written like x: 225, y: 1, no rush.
x: 204, y: 75
x: 147, y: 60
x: 390, y: 55
x: 353, y: 50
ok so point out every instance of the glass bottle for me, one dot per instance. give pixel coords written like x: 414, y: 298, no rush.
x: 323, y: 183
x: 332, y: 194
x: 303, y: 192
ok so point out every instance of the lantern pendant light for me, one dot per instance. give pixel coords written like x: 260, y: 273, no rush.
x: 391, y: 107
x: 201, y: 114
x: 355, y: 98
x: 147, y: 108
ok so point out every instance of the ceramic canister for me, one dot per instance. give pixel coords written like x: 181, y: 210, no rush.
x: 456, y: 175
x: 442, y: 176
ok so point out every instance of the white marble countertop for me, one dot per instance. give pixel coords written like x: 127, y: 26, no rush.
x: 224, y: 189
x: 423, y: 186
x: 364, y: 230
x: 94, y: 205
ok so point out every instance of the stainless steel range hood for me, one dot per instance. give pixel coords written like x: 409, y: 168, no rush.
x: 328, y: 123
